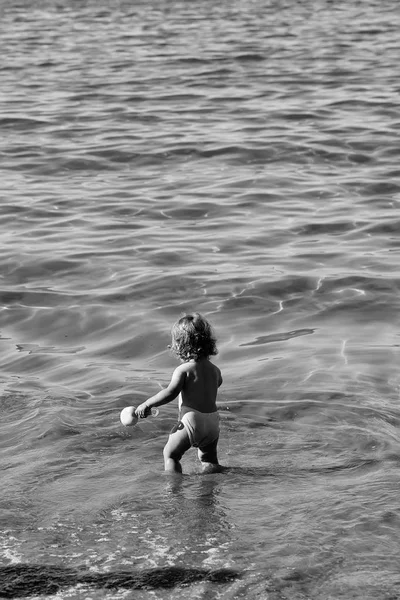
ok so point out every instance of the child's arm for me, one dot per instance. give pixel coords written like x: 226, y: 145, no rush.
x: 164, y: 396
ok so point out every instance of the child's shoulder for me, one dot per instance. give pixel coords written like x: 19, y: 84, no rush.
x: 203, y: 365
x: 185, y: 367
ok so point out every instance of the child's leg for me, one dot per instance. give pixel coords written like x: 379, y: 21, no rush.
x: 178, y: 443
x: 208, y: 458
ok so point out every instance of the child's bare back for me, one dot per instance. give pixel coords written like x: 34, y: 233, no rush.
x: 202, y: 380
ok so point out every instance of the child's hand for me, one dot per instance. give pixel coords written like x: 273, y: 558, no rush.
x: 142, y: 411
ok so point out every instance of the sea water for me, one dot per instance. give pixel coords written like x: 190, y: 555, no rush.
x: 239, y: 158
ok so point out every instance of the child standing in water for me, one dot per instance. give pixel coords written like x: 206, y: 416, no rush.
x: 197, y: 381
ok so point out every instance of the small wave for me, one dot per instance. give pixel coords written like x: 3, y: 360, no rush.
x: 391, y: 227
x: 360, y: 282
x: 290, y: 470
x: 249, y: 57
x: 278, y: 337
x: 322, y: 228
x: 21, y: 123
x: 36, y: 298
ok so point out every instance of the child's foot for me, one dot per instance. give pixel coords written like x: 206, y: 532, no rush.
x: 211, y: 467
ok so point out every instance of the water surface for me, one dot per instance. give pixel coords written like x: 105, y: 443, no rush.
x: 239, y: 159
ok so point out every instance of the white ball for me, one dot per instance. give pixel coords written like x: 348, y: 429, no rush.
x: 128, y: 416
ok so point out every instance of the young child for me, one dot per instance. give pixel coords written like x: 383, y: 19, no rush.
x: 197, y: 381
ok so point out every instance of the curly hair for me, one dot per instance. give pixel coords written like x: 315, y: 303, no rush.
x: 193, y: 338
